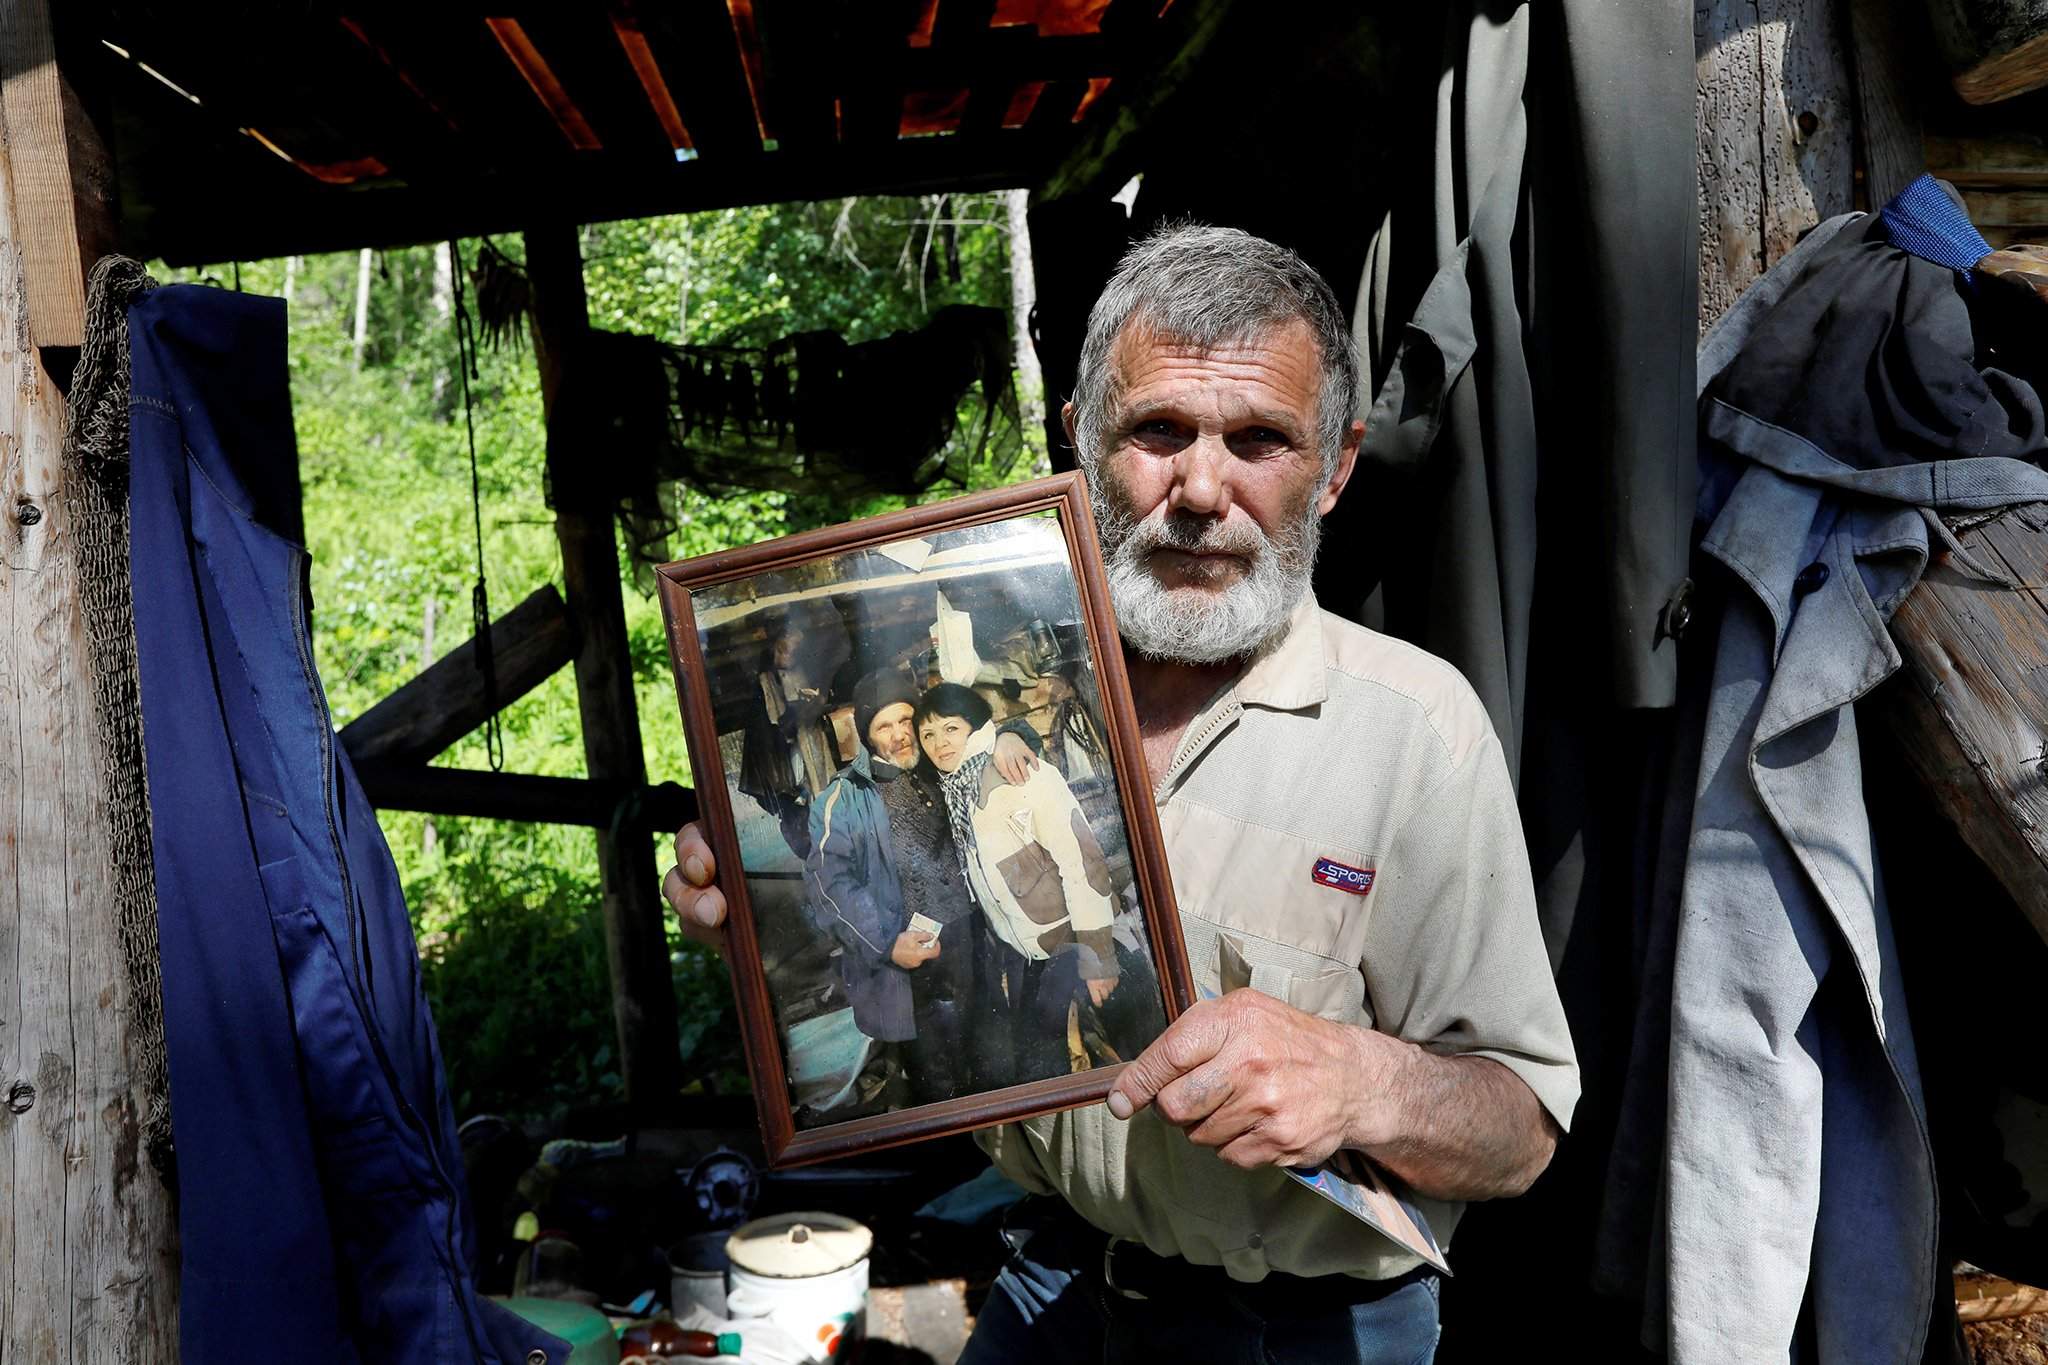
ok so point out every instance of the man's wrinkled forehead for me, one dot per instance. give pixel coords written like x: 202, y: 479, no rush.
x: 1144, y: 331
x: 1264, y: 367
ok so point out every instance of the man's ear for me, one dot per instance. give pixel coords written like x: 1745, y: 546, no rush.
x: 1067, y: 421
x: 1347, y: 460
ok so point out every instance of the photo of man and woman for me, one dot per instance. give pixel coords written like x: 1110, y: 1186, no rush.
x: 929, y: 819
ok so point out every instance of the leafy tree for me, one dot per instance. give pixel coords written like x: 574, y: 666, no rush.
x: 506, y: 913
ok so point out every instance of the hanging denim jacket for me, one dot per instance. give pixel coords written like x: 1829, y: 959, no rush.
x: 320, y: 1194
x: 1774, y: 1139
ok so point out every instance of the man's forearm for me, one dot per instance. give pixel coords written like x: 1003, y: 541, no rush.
x: 1452, y: 1127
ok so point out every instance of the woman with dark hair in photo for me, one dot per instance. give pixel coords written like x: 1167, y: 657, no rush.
x: 1036, y: 871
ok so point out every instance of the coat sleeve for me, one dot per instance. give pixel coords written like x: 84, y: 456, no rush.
x: 1062, y: 831
x: 837, y: 875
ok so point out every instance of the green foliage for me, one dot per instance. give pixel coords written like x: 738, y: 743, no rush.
x: 506, y: 913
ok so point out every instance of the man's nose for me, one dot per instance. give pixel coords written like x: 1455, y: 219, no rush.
x: 1200, y: 482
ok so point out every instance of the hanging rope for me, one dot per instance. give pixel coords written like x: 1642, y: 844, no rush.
x: 480, y: 597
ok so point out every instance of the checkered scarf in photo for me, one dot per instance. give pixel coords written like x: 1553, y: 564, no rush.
x: 961, y: 785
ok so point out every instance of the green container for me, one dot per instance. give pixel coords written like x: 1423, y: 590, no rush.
x: 583, y: 1327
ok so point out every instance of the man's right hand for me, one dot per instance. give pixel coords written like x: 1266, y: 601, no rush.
x: 912, y: 949
x: 699, y: 906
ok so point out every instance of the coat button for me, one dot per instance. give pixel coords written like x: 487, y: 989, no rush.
x: 1810, y: 579
x: 1678, y: 611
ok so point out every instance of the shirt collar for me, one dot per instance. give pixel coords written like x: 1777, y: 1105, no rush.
x: 1290, y: 676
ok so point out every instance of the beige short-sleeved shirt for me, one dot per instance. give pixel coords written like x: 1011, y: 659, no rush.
x: 1345, y: 745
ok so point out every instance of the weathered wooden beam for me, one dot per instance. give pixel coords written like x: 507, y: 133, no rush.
x: 246, y: 216
x: 447, y: 701
x: 1775, y: 112
x: 1998, y: 48
x: 88, y: 1269
x: 1970, y: 712
x: 520, y: 796
x: 1109, y: 151
x: 636, y: 942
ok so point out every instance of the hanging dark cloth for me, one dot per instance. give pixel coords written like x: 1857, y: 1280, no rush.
x: 1526, y: 490
x: 321, y: 1206
x: 1532, y: 309
x: 810, y: 413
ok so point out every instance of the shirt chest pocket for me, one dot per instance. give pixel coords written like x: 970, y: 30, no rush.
x: 1254, y: 912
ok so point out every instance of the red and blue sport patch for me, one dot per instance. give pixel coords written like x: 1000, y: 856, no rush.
x: 1356, y: 880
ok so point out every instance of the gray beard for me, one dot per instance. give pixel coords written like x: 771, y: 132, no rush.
x: 1197, y: 625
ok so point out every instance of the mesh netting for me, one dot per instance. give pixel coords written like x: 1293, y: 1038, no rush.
x: 811, y: 413
x: 96, y: 466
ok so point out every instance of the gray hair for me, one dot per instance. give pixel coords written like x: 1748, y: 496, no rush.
x: 1210, y: 287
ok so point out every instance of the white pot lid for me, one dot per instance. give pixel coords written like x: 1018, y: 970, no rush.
x: 795, y: 1246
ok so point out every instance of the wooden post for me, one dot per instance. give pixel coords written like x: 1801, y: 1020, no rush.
x: 1776, y: 111
x: 643, y: 998
x: 1894, y: 154
x: 88, y: 1269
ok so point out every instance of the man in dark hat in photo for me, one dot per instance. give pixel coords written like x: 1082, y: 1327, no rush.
x: 882, y: 855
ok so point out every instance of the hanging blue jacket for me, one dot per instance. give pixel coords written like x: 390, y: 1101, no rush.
x: 320, y: 1195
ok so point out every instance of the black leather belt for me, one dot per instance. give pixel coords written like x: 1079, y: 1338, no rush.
x: 1134, y: 1271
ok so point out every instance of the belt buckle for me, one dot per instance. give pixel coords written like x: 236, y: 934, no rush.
x: 1109, y: 1275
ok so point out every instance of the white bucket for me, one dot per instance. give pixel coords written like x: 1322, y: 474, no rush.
x: 807, y: 1274
x: 697, y: 1267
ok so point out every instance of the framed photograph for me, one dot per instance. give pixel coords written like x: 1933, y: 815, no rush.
x: 917, y: 763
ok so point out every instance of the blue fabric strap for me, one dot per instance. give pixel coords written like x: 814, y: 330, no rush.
x: 1923, y: 220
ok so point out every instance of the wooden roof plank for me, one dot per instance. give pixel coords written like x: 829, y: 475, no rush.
x: 801, y: 69
x: 1110, y: 141
x: 581, y: 46
x: 215, y: 221
x: 695, y: 47
x: 1057, y: 103
x: 873, y: 107
x: 453, y: 57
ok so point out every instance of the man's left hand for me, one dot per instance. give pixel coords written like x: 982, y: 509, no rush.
x: 1013, y: 759
x: 1260, y: 1081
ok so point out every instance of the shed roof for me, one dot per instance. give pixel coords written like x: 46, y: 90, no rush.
x: 244, y: 130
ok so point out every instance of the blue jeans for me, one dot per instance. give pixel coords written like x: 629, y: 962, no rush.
x: 1050, y: 1303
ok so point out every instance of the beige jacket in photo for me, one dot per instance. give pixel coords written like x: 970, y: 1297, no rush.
x: 1036, y: 868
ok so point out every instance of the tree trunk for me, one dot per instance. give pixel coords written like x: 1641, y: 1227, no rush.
x: 1023, y: 297
x: 362, y: 304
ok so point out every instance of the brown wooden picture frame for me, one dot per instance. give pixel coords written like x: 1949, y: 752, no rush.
x: 1066, y: 495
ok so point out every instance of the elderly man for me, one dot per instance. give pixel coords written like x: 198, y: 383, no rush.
x: 1344, y: 841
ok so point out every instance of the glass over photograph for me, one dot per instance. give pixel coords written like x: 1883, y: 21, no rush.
x: 935, y: 853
